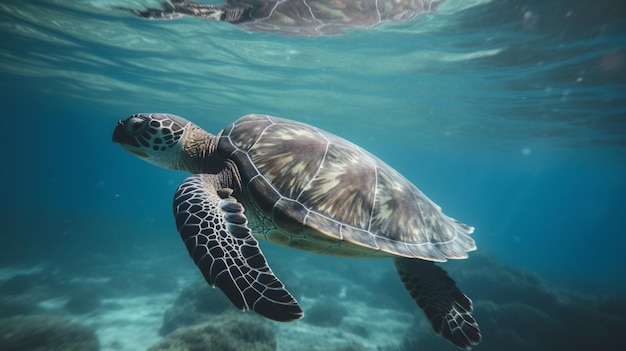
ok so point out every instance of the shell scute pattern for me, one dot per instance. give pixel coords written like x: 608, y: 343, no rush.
x: 356, y: 235
x: 307, y: 18
x: 289, y: 215
x: 316, y: 223
x: 323, y: 173
x: 344, y: 187
x: 264, y: 194
x: 392, y: 194
x: 248, y: 129
x: 325, y: 194
x: 288, y: 157
x: 330, y: 17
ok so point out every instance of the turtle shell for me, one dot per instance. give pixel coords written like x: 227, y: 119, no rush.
x: 326, y: 17
x: 308, y: 189
x: 295, y: 17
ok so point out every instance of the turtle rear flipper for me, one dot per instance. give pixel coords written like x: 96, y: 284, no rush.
x: 445, y: 306
x: 214, y: 229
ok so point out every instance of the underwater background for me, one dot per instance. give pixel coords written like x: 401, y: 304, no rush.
x: 509, y: 114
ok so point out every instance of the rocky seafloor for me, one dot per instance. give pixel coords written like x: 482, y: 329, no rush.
x: 348, y: 304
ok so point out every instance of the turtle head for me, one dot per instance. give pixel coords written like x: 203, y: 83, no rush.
x: 165, y: 140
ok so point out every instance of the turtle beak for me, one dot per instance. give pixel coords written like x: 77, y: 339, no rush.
x: 120, y: 135
x: 127, y: 141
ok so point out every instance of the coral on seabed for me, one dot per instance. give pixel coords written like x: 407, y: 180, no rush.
x: 227, y: 332
x: 49, y: 333
x: 20, y: 294
x: 195, y: 303
x: 325, y: 313
x: 82, y: 302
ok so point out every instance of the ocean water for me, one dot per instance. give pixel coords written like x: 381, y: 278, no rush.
x: 509, y: 114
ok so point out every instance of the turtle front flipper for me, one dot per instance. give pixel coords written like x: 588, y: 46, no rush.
x: 445, y: 306
x: 214, y: 229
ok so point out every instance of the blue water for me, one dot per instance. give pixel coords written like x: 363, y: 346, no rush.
x: 511, y: 115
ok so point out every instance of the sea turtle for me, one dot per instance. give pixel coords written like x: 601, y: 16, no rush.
x: 295, y: 17
x: 303, y: 188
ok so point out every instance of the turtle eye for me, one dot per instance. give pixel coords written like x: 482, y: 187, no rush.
x: 136, y: 125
